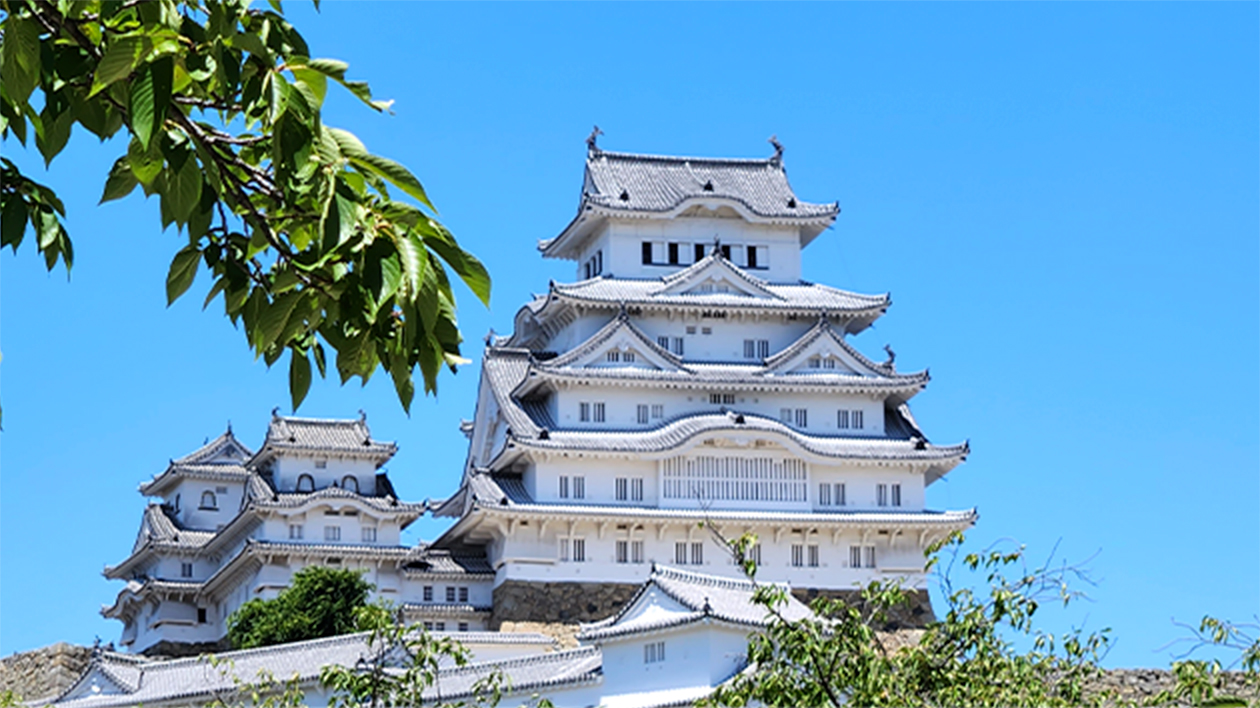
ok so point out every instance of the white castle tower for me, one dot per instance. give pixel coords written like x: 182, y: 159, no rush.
x: 228, y: 525
x: 690, y: 375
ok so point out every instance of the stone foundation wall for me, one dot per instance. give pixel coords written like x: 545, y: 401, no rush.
x: 567, y: 603
x: 916, y: 615
x: 166, y: 649
x: 43, y: 673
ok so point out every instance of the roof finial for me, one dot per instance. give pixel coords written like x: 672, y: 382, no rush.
x: 362, y: 416
x: 623, y: 314
x: 778, y: 147
x: 275, y: 412
x: 708, y: 609
x: 229, y: 430
x: 892, y: 355
x: 717, y: 245
x: 490, y: 337
x: 592, y: 138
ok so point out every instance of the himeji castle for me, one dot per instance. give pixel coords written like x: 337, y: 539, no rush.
x: 688, y: 386
x: 690, y: 376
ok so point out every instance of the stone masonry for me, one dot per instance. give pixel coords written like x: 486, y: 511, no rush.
x: 569, y: 603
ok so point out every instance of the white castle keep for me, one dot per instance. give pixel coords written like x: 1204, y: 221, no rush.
x: 689, y: 376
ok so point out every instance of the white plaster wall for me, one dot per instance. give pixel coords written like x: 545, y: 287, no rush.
x: 529, y: 554
x: 289, y: 467
x: 860, y: 487
x: 621, y: 241
x: 695, y: 655
x: 190, y: 515
x: 480, y: 592
x: 316, y: 517
x: 621, y: 407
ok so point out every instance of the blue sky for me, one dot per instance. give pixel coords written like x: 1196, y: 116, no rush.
x: 1061, y: 198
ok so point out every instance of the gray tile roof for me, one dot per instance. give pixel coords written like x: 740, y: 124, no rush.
x: 446, y: 609
x: 506, y: 368
x: 317, y: 435
x: 194, y: 680
x: 705, y: 596
x: 220, y: 459
x: 384, y: 504
x: 789, y: 298
x: 159, y: 529
x: 619, y: 324
x: 436, y: 561
x: 658, y: 183
x: 525, y: 675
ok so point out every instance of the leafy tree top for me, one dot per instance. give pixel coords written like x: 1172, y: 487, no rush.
x: 296, y: 222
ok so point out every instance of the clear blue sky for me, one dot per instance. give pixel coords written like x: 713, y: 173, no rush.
x: 1062, y: 199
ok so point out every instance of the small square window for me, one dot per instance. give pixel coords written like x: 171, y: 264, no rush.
x: 636, y: 489
x: 706, y: 330
x: 812, y: 555
x: 332, y: 533
x: 623, y: 552
x: 369, y: 534
x: 463, y: 594
x: 564, y: 487
x: 321, y: 464
x: 295, y: 531
x: 856, y: 418
x: 802, y: 418
x: 439, y: 626
x: 463, y: 626
x: 680, y: 553
x: 663, y: 342
x: 579, y: 550
x: 584, y: 412
x: 691, y: 329
x: 697, y: 553
x: 658, y: 410
x: 636, y: 551
x: 450, y: 593
x: 599, y: 413
x: 201, y: 615
x: 428, y: 593
x: 185, y: 570
x: 798, y: 555
x: 896, y: 495
x: 579, y: 487
x: 641, y: 413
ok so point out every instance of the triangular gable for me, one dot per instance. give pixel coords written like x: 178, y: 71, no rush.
x: 653, y: 605
x: 714, y: 274
x: 609, y: 346
x: 225, y: 449
x: 95, y: 681
x: 821, y: 344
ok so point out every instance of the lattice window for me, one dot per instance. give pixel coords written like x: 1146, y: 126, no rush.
x: 734, y: 478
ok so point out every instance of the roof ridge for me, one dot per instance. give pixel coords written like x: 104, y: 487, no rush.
x: 702, y: 578
x: 544, y: 658
x: 656, y: 157
x: 261, y: 651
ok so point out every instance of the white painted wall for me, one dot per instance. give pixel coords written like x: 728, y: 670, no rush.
x: 621, y: 242
x: 288, y: 469
x: 621, y: 407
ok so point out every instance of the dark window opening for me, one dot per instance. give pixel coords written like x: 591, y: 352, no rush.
x: 201, y: 615
x: 699, y: 252
x: 752, y: 256
x: 673, y: 254
x: 647, y: 253
x: 726, y: 252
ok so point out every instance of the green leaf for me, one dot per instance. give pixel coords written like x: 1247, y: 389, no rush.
x: 400, y: 372
x: 469, y: 269
x: 272, y: 318
x: 121, y: 181
x: 413, y: 263
x: 299, y: 377
x: 150, y: 98
x: 21, y: 65
x: 146, y: 165
x: 183, y: 271
x: 120, y: 57
x: 398, y: 175
x: 183, y: 189
x: 320, y: 363
x: 12, y: 221
x: 56, y: 120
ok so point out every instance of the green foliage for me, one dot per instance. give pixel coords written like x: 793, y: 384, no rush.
x: 321, y: 602
x: 261, y: 691
x: 8, y: 699
x: 402, y: 667
x: 1202, y: 683
x: 964, y: 659
x: 293, y: 220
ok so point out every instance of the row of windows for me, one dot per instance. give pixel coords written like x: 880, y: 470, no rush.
x: 441, y: 626
x: 333, y: 533
x: 803, y: 555
x: 306, y: 483
x: 756, y: 348
x: 834, y: 494
x: 845, y: 419
x: 575, y: 485
x: 454, y: 593
x: 619, y: 356
x: 628, y: 488
x: 594, y: 265
x: 654, y: 653
x: 672, y: 253
x: 671, y: 344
